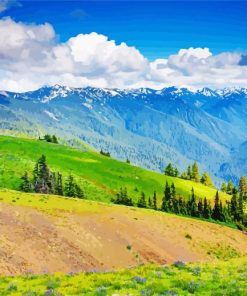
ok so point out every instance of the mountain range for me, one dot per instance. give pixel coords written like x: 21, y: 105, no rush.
x: 149, y: 127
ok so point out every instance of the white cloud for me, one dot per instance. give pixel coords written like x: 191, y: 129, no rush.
x: 5, y: 4
x: 200, y: 53
x: 31, y: 56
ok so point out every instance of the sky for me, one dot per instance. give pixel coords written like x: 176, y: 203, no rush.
x: 122, y: 44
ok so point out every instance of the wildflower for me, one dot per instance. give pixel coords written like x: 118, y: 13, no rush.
x: 139, y: 279
x: 196, y: 270
x: 49, y: 292
x: 171, y: 293
x: 179, y: 263
x: 158, y: 273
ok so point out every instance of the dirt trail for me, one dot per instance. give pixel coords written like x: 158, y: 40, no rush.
x: 115, y: 236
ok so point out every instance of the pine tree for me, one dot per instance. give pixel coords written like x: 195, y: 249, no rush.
x: 59, y: 184
x: 142, y: 201
x: 240, y: 209
x: 195, y: 172
x: 206, y: 209
x: 52, y: 183
x: 48, y: 138
x: 174, y: 202
x: 70, y: 187
x: 78, y: 191
x: 216, y: 214
x: 54, y: 139
x: 206, y: 180
x: 223, y: 187
x: 25, y: 185
x: 222, y: 210
x: 155, y: 201
x: 242, y: 187
x: 122, y: 198
x: 192, y: 205
x: 169, y: 170
x: 234, y: 206
x: 166, y: 202
x: 229, y: 187
x: 184, y: 175
x: 41, y: 176
x: 150, y: 205
x: 200, y: 208
x: 189, y: 174
x: 176, y: 172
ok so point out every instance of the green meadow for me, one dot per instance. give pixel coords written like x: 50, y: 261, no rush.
x: 100, y: 177
x: 214, y: 278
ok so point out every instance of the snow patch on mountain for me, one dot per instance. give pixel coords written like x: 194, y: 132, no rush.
x: 51, y: 115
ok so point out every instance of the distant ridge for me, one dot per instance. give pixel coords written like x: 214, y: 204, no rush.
x: 150, y: 127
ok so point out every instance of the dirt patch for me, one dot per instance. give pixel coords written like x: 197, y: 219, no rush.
x: 115, y: 236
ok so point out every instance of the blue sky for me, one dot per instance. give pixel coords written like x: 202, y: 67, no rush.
x: 121, y: 44
x: 155, y: 28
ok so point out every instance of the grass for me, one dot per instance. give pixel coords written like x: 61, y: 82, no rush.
x: 215, y: 278
x: 100, y: 176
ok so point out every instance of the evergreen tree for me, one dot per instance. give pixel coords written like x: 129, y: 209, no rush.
x: 70, y: 189
x: 240, y: 209
x: 59, y: 184
x: 122, y: 198
x: 234, y: 206
x: 217, y: 214
x: 206, y: 180
x: 48, y: 138
x: 195, y: 172
x: 174, y: 202
x: 176, y: 172
x: 52, y: 183
x: 189, y: 173
x: 155, y: 201
x: 223, y: 187
x: 25, y: 184
x: 222, y: 210
x: 200, y: 208
x: 206, y: 209
x: 229, y: 187
x: 41, y: 176
x: 192, y: 205
x: 150, y: 205
x: 242, y: 187
x: 184, y: 175
x: 54, y: 139
x: 182, y: 206
x: 169, y: 170
x: 142, y: 201
x: 78, y: 191
x: 166, y: 202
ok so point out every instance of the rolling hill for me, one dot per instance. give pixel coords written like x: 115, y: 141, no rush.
x: 45, y: 232
x: 101, y: 177
x: 149, y: 127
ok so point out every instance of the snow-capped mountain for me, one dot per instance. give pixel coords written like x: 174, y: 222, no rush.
x: 150, y: 127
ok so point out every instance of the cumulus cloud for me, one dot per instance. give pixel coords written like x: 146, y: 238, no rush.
x: 31, y: 56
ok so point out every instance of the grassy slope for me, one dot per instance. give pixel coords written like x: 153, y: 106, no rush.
x: 100, y: 176
x: 228, y: 278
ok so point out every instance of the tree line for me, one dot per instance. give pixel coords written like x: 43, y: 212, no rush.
x: 192, y: 173
x: 45, y: 181
x: 172, y: 202
x: 49, y: 138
